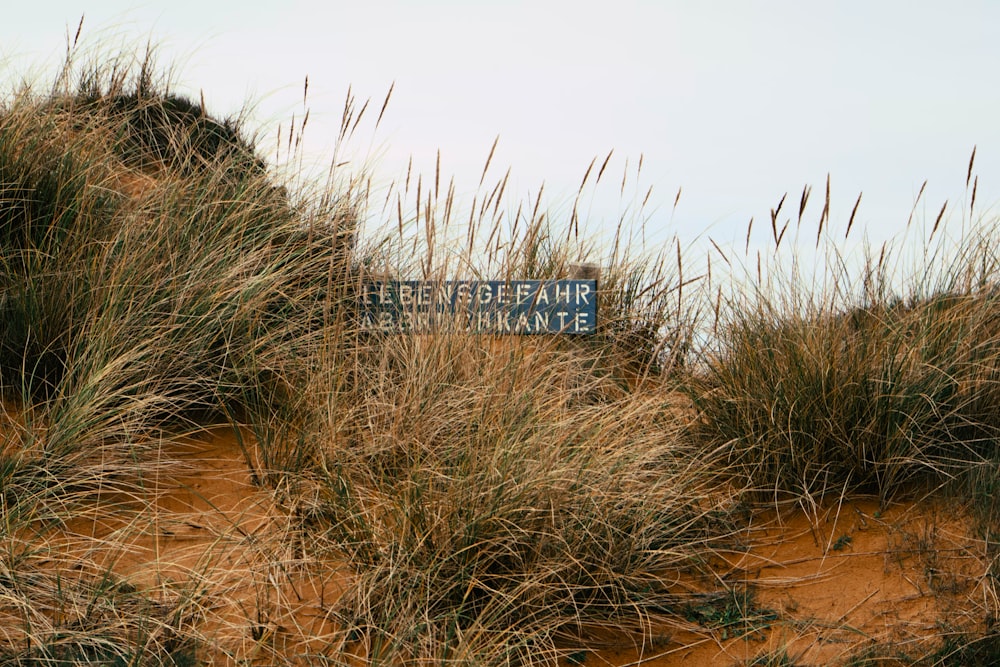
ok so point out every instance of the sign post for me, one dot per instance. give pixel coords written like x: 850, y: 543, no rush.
x: 516, y: 307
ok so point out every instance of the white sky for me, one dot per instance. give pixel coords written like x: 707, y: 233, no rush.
x: 736, y: 102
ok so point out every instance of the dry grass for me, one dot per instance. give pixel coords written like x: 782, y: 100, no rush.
x: 482, y: 500
x: 493, y: 501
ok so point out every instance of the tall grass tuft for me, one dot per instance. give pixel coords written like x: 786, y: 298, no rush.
x: 867, y: 383
x: 495, y: 500
x: 493, y: 503
x: 150, y: 271
x: 153, y: 275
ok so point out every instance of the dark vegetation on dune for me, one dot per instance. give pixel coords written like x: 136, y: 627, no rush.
x: 128, y: 210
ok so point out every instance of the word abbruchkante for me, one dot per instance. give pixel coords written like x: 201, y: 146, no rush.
x: 518, y: 307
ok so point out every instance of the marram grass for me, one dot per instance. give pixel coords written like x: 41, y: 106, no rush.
x: 488, y: 500
x: 486, y: 497
x: 857, y: 387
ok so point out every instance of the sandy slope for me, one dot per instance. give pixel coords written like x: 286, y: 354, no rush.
x: 847, y: 577
x: 819, y: 585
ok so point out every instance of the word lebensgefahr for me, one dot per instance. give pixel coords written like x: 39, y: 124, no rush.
x: 518, y: 307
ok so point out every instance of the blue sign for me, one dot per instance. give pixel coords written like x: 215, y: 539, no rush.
x: 519, y: 307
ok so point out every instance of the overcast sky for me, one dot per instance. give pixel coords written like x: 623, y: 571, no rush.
x: 735, y: 102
